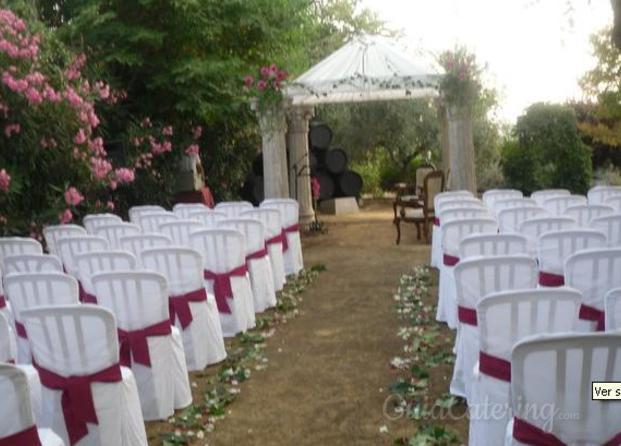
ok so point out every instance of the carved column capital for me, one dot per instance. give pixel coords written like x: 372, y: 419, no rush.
x: 299, y: 116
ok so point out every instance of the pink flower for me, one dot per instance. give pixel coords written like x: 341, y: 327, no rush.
x: 167, y: 131
x: 73, y: 197
x: 197, y: 132
x: 100, y: 168
x: 282, y: 75
x: 265, y: 71
x: 124, y: 175
x: 5, y: 180
x: 273, y: 70
x: 315, y: 187
x: 248, y: 81
x: 110, y: 205
x: 192, y: 150
x: 80, y: 137
x: 9, y: 129
x: 65, y: 217
x: 261, y: 85
x: 34, y: 96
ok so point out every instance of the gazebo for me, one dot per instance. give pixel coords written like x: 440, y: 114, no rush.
x: 367, y: 68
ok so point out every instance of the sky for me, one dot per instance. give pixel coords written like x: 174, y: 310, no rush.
x: 535, y: 50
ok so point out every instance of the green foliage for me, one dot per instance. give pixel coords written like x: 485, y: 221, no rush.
x: 461, y: 85
x: 549, y: 152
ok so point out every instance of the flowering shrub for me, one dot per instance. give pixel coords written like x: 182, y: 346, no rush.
x: 315, y: 188
x: 267, y: 87
x: 460, y: 85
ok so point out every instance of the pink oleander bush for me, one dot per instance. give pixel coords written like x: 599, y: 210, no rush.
x: 267, y: 86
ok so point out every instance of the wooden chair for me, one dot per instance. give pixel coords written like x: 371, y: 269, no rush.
x: 413, y: 192
x: 421, y: 211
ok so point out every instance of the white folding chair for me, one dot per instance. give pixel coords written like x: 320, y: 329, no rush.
x: 87, y: 397
x: 289, y: 213
x: 207, y: 217
x: 257, y: 259
x: 448, y: 195
x: 474, y: 279
x: 138, y: 243
x: 551, y: 390
x: 139, y: 301
x: 179, y: 231
x: 136, y: 211
x: 611, y: 226
x: 517, y: 202
x: 557, y: 205
x: 69, y: 247
x: 56, y: 232
x: 533, y: 228
x: 113, y: 233
x: 510, y: 219
x: 193, y: 311
x: 585, y: 213
x: 554, y: 248
x: 10, y: 246
x: 480, y: 245
x: 504, y: 319
x: 150, y: 222
x: 452, y: 214
x: 30, y: 290
x: 182, y: 210
x: 31, y: 263
x: 614, y: 201
x: 612, y: 308
x: 94, y: 221
x: 93, y: 262
x: 493, y: 195
x: 226, y: 276
x: 594, y: 273
x: 17, y: 419
x: 273, y: 240
x: 541, y: 196
x: 233, y: 209
x: 452, y: 234
x: 599, y: 194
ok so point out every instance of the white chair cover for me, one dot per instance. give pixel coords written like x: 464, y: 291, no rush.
x: 452, y: 214
x: 594, y: 273
x: 94, y: 221
x: 182, y: 210
x: 493, y: 195
x: 150, y: 222
x: 554, y: 248
x: 273, y: 229
x: 448, y: 195
x: 614, y: 201
x: 257, y: 259
x: 223, y: 250
x: 68, y: 248
x: 31, y: 263
x: 207, y: 217
x: 138, y: 243
x: 289, y: 213
x: 492, y: 245
x: 599, y: 194
x: 56, y: 232
x: 541, y: 196
x: 183, y: 268
x: 30, y: 290
x: 19, y: 245
x: 508, y: 203
x: 452, y: 235
x: 233, y: 209
x: 557, y: 205
x: 138, y: 300
x: 94, y: 262
x: 113, y: 233
x: 474, y: 279
x: 585, y: 213
x: 612, y: 307
x: 179, y: 231
x: 510, y: 219
x: 504, y: 319
x: 16, y: 410
x: 611, y: 226
x: 551, y: 378
x: 136, y: 211
x: 533, y: 228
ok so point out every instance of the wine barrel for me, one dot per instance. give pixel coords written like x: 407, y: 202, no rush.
x: 319, y: 135
x: 336, y: 161
x: 349, y: 184
x: 313, y: 162
x: 326, y: 185
x: 257, y: 165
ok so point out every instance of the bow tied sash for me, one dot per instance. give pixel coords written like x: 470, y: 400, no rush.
x: 257, y: 254
x: 222, y: 285
x: 551, y: 279
x: 533, y: 435
x: 589, y: 313
x: 450, y: 260
x: 281, y: 238
x: 133, y: 344
x: 27, y: 437
x: 289, y: 230
x: 77, y: 397
x: 179, y: 306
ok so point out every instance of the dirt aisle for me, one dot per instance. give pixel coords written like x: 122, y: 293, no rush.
x: 327, y: 366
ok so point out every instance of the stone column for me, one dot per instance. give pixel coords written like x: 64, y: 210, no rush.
x: 299, y: 166
x: 273, y: 128
x: 444, y: 143
x: 461, y: 149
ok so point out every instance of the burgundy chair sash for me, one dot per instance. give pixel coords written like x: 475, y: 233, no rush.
x: 450, y: 260
x: 2, y: 302
x: 280, y: 238
x: 551, y: 279
x: 222, y: 285
x: 436, y: 221
x: 289, y: 230
x: 133, y: 344
x: 494, y: 366
x: 589, y: 313
x: 20, y: 329
x: 467, y: 315
x: 179, y: 306
x: 532, y: 435
x: 88, y: 298
x: 27, y: 437
x: 257, y: 254
x: 77, y: 398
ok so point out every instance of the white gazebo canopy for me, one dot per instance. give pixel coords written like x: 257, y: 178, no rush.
x: 367, y: 68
